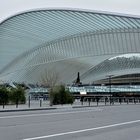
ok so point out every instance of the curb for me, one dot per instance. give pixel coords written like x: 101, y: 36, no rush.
x: 30, y: 109
x: 37, y: 109
x: 84, y: 106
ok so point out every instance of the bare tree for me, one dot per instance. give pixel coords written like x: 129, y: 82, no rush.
x: 50, y: 79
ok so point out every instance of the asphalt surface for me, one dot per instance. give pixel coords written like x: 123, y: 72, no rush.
x: 93, y: 123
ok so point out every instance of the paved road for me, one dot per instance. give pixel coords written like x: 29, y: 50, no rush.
x: 95, y: 123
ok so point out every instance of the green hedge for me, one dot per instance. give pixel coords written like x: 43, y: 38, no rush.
x: 12, y: 95
x: 4, y: 96
x: 59, y: 95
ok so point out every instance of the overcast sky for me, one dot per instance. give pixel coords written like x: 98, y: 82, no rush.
x: 11, y: 7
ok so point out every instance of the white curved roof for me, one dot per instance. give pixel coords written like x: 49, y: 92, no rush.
x: 119, y: 65
x: 65, y: 41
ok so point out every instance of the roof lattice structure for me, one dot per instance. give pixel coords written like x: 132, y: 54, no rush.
x: 65, y: 42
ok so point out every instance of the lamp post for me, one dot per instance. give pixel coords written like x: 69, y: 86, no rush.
x: 109, y: 78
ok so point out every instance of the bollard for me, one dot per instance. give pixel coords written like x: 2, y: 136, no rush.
x: 17, y: 103
x: 89, y: 102
x: 110, y: 100
x: 97, y: 101
x: 40, y: 102
x: 127, y: 101
x: 120, y: 100
x: 105, y: 100
x: 82, y: 99
x: 3, y: 105
x: 134, y: 100
x: 29, y: 99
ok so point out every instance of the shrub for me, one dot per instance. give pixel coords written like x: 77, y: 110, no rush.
x: 59, y: 95
x: 3, y: 96
x: 17, y: 95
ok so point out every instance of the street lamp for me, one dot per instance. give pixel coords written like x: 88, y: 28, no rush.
x: 109, y: 78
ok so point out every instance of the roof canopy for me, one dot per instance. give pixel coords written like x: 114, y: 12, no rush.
x: 64, y: 42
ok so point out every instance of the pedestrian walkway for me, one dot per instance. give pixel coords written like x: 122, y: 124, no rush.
x: 44, y: 105
x: 34, y: 105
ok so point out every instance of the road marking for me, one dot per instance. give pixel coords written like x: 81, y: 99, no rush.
x: 84, y: 130
x: 49, y: 114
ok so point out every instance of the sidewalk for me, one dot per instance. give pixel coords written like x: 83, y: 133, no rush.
x: 35, y: 105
